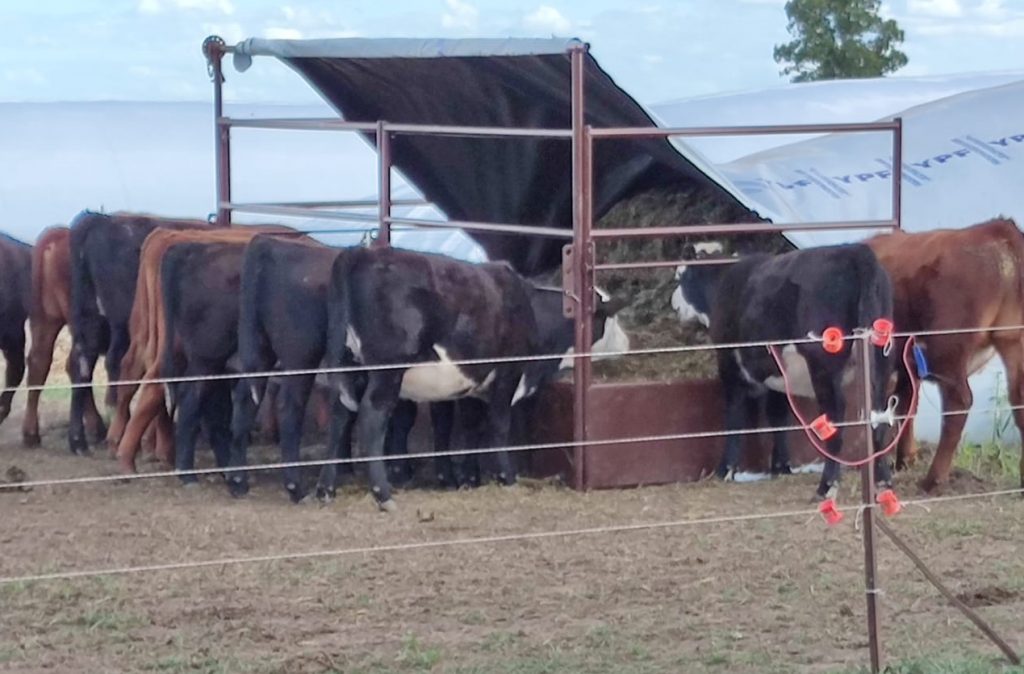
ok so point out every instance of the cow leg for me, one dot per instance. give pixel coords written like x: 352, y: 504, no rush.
x: 216, y: 417
x: 119, y: 341
x: 14, y: 355
x: 442, y: 419
x: 150, y: 404
x: 779, y: 415
x: 189, y: 395
x: 1011, y: 350
x: 375, y: 410
x: 472, y: 418
x: 85, y: 352
x: 736, y: 413
x: 248, y: 394
x: 292, y: 396
x: 400, y: 471
x: 266, y: 411
x: 906, y: 447
x: 956, y: 397
x: 339, y: 446
x: 499, y: 417
x: 122, y: 413
x: 828, y: 390
x: 40, y: 358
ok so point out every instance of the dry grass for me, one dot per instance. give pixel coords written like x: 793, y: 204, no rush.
x: 768, y: 596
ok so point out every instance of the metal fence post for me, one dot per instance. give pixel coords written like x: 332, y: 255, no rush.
x: 867, y: 482
x: 582, y: 269
x: 384, y: 184
x: 213, y: 49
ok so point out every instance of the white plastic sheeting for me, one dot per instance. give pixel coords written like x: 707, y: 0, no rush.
x: 963, y: 160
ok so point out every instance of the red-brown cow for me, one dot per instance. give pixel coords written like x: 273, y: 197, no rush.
x: 956, y: 279
x: 48, y: 313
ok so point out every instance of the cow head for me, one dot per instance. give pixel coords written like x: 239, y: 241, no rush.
x: 556, y: 335
x: 695, y: 283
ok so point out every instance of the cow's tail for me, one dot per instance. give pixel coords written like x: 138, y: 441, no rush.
x: 170, y: 299
x: 250, y: 328
x: 876, y: 302
x: 340, y: 334
x: 83, y: 291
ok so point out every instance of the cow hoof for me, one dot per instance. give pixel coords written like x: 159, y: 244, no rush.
x: 295, y: 492
x: 326, y: 494
x: 507, y: 480
x: 831, y: 492
x: 784, y: 469
x: 928, y: 484
x: 126, y: 466
x: 31, y: 440
x: 388, y: 506
x: 238, y: 487
x: 4, y: 413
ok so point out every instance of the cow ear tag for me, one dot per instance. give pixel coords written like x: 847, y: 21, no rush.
x: 828, y: 510
x: 832, y: 340
x: 921, y: 362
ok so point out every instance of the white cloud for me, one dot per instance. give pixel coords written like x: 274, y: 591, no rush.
x: 943, y: 8
x: 149, y: 6
x: 460, y: 15
x: 991, y: 9
x: 289, y: 12
x: 547, y: 19
x: 282, y: 33
x: 24, y: 76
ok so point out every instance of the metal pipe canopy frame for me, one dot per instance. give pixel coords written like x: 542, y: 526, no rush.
x: 579, y: 263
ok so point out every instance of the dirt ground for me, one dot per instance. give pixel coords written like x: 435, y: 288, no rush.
x: 775, y: 595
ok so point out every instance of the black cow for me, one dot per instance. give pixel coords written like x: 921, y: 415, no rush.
x: 15, y: 299
x: 283, y: 324
x: 389, y: 306
x: 199, y: 285
x: 790, y: 296
x: 284, y: 285
x: 104, y: 266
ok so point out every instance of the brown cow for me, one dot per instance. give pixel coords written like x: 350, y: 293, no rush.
x: 954, y: 279
x: 146, y: 327
x: 15, y: 298
x: 48, y: 313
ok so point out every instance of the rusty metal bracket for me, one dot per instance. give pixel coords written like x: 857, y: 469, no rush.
x: 209, y: 44
x: 569, y: 297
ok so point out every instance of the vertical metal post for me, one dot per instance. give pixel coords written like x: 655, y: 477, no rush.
x: 384, y: 184
x: 582, y: 263
x: 867, y: 482
x: 897, y: 173
x: 213, y: 47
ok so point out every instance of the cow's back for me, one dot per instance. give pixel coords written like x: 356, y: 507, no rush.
x: 955, y: 278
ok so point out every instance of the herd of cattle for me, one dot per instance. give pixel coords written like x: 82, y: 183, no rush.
x: 188, y: 301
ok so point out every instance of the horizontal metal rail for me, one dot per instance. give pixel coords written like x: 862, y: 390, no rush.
x: 297, y: 212
x: 736, y: 228
x: 661, y: 264
x: 298, y: 123
x: 348, y: 203
x: 339, y: 124
x: 756, y: 130
x: 480, y: 131
x: 489, y: 227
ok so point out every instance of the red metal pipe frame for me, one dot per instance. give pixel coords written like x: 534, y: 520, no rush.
x: 222, y: 136
x: 384, y: 185
x: 754, y: 130
x: 582, y: 259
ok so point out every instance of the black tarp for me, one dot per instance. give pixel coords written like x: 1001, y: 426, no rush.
x: 507, y: 180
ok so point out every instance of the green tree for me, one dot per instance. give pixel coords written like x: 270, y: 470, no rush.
x: 839, y: 39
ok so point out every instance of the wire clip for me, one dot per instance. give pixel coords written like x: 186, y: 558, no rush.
x: 886, y: 416
x: 832, y: 340
x: 823, y: 428
x: 889, y: 502
x: 828, y: 510
x: 881, y: 332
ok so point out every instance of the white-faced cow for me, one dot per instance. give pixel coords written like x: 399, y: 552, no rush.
x: 790, y: 297
x: 391, y: 307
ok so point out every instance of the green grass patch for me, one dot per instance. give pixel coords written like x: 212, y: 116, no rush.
x: 944, y: 665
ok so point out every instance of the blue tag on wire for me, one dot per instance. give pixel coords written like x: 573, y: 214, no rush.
x: 921, y: 362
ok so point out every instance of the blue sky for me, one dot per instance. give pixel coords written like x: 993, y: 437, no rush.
x: 658, y: 50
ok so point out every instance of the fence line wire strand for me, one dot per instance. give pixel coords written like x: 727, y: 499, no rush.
x: 646, y: 439
x: 453, y: 542
x: 603, y: 355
